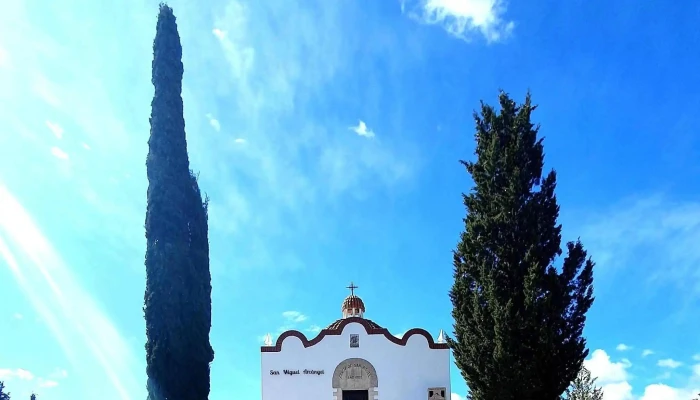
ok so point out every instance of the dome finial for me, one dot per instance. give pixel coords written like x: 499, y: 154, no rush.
x: 352, y: 288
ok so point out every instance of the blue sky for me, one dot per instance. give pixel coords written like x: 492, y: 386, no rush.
x: 327, y: 135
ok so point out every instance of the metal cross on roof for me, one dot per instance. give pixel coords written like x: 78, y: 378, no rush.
x: 352, y: 288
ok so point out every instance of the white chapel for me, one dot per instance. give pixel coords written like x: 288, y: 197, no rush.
x: 356, y: 359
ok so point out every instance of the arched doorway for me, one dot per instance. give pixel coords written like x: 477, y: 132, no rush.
x: 355, y: 379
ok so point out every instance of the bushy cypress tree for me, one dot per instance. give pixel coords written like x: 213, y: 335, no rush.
x: 518, y: 319
x: 178, y: 281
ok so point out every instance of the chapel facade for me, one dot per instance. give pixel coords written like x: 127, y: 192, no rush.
x: 354, y: 358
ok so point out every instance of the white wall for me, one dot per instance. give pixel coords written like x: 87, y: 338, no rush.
x: 403, y: 372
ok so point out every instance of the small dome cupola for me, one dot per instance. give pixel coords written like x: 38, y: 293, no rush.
x: 353, y: 306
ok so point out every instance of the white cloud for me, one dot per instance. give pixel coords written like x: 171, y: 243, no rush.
x: 617, y: 391
x: 214, y: 122
x: 613, y: 377
x: 58, y: 153
x: 362, y: 130
x: 272, y: 69
x: 455, y: 396
x: 669, y: 363
x: 665, y: 375
x: 24, y: 374
x: 22, y: 381
x: 59, y: 373
x: 18, y: 316
x: 660, y: 391
x: 18, y: 373
x: 647, y: 352
x: 55, y: 128
x: 623, y: 347
x: 48, y: 383
x: 294, y: 316
x: 696, y: 357
x: 218, y: 33
x: 292, y: 319
x: 668, y: 230
x: 86, y: 146
x: 605, y: 370
x: 462, y: 18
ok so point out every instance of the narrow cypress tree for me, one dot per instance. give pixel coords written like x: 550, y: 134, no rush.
x: 32, y: 397
x: 178, y: 281
x: 518, y: 319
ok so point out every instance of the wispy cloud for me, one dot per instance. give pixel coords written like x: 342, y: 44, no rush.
x: 19, y: 373
x: 22, y: 380
x: 294, y: 317
x: 362, y: 130
x: 55, y: 129
x: 279, y: 160
x: 59, y: 373
x: 647, y: 352
x: 623, y: 347
x: 58, y: 153
x: 666, y: 232
x: 463, y: 18
x: 664, y: 376
x: 291, y: 320
x: 214, y: 122
x: 669, y: 363
x: 47, y: 383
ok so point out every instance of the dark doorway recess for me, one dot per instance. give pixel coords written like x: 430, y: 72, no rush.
x: 355, y: 395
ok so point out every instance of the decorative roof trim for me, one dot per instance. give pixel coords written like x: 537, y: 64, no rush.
x: 368, y: 328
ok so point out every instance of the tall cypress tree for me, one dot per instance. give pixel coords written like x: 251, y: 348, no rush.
x: 518, y: 318
x: 3, y: 394
x: 178, y: 281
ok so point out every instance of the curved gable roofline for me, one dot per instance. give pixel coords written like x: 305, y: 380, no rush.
x: 371, y: 328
